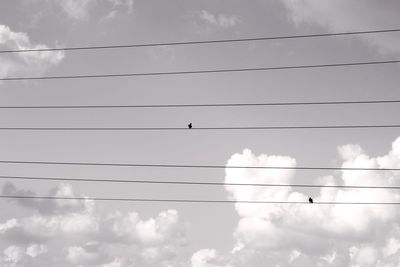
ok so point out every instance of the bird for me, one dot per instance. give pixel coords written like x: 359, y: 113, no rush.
x: 190, y: 125
x: 310, y: 200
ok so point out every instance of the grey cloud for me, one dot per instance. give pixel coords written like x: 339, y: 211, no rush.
x: 49, y: 206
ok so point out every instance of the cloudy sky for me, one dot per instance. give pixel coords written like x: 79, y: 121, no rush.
x: 121, y: 234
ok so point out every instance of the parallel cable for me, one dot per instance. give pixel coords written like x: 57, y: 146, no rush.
x: 195, y: 128
x: 195, y: 200
x: 93, y: 180
x: 194, y: 166
x: 199, y: 42
x: 204, y: 105
x: 119, y: 75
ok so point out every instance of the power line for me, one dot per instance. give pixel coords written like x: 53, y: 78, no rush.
x: 196, y: 200
x: 195, y: 183
x: 195, y: 128
x: 204, y: 105
x: 200, y: 71
x: 195, y: 166
x: 199, y: 42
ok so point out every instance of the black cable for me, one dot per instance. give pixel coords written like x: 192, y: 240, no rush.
x: 200, y: 42
x: 195, y: 166
x: 204, y: 105
x: 195, y: 128
x: 196, y: 200
x: 195, y: 183
x: 199, y: 71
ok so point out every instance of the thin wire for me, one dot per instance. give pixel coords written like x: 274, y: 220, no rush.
x: 196, y: 166
x: 195, y: 200
x: 195, y: 183
x: 199, y: 71
x: 195, y: 128
x: 204, y: 105
x: 198, y: 42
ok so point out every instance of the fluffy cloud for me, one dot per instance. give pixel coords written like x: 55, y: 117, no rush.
x: 343, y: 15
x: 155, y: 231
x: 50, y: 218
x: 35, y: 250
x: 89, y: 254
x: 81, y: 236
x: 208, y: 258
x: 76, y: 234
x: 314, y: 235
x: 29, y: 62
x: 14, y: 256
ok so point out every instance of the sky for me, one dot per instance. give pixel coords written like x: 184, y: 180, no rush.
x: 91, y: 233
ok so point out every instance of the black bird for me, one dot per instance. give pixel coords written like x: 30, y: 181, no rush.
x: 190, y: 125
x: 310, y: 200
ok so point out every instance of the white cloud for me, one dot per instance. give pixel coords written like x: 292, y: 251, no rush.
x: 19, y: 256
x: 207, y: 258
x: 35, y: 250
x: 85, y: 237
x: 273, y: 234
x: 129, y: 228
x: 258, y: 176
x: 364, y: 256
x: 41, y: 228
x: 392, y: 247
x: 314, y: 235
x: 10, y: 224
x: 13, y: 254
x: 343, y: 15
x: 220, y: 21
x: 87, y: 255
x: 29, y: 62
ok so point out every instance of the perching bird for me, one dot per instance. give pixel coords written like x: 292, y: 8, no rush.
x: 190, y: 125
x: 310, y: 200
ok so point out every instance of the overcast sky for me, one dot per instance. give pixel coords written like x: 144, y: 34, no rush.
x: 122, y: 234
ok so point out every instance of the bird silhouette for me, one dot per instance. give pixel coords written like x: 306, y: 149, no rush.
x: 190, y: 125
x: 310, y: 200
